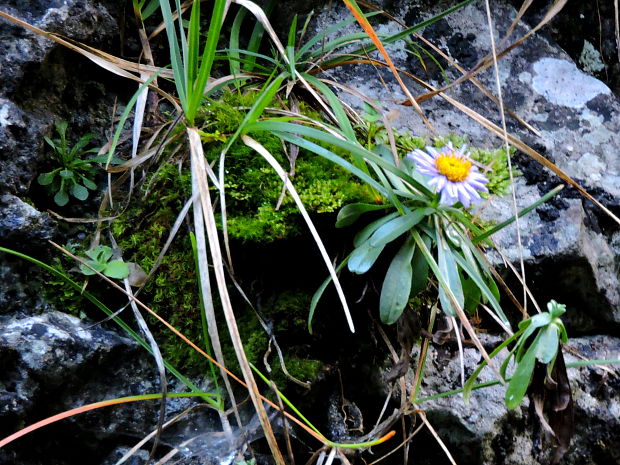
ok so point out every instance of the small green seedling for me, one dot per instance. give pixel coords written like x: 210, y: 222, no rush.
x: 75, y: 175
x: 540, y: 340
x: 100, y: 261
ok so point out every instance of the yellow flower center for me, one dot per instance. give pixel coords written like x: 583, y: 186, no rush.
x: 454, y: 168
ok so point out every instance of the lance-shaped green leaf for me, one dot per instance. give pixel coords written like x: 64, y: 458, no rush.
x: 548, y: 345
x: 368, y: 230
x: 350, y: 213
x: 475, y: 276
x: 450, y: 274
x: 319, y: 293
x: 397, y: 284
x: 521, y: 377
x: 419, y: 276
x: 364, y: 257
x: 397, y: 227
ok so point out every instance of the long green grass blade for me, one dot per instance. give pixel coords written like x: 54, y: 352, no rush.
x: 523, y: 212
x: 193, y: 44
x: 195, y: 94
x: 355, y: 149
x: 257, y: 35
x: 233, y: 42
x: 176, y: 61
x: 486, y: 292
x: 334, y: 103
x: 319, y: 293
x: 398, y: 36
x: 322, y: 35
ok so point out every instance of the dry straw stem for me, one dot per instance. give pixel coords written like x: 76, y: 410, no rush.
x: 199, y: 171
x: 289, y: 186
x: 109, y: 62
x: 487, y: 61
x: 449, y: 59
x: 375, y: 39
x: 513, y: 140
x: 507, y: 148
x: 317, y: 436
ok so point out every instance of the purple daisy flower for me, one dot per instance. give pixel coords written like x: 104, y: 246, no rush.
x: 452, y: 174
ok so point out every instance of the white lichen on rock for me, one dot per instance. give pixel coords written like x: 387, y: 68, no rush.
x: 590, y: 59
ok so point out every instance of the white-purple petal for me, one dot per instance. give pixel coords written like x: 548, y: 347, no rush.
x: 466, y: 191
x: 463, y: 195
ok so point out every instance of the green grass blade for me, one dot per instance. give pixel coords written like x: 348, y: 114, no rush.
x: 523, y: 212
x: 322, y: 35
x: 265, y: 98
x: 176, y: 60
x: 325, y: 153
x: 486, y: 292
x: 319, y: 293
x: 198, y: 87
x: 400, y: 35
x: 232, y: 55
x: 193, y: 44
x: 356, y: 150
x: 336, y: 106
x: 257, y: 35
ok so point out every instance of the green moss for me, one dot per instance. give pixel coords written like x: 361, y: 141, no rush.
x: 253, y: 189
x: 141, y: 233
x: 63, y: 297
x: 498, y: 174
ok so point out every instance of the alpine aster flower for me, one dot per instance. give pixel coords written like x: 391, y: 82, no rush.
x: 452, y: 174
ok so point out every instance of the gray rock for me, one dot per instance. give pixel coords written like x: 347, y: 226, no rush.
x: 22, y: 224
x: 53, y: 350
x: 485, y: 432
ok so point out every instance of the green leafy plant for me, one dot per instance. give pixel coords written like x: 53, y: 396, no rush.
x: 434, y: 237
x: 74, y: 175
x: 539, y: 339
x: 99, y: 259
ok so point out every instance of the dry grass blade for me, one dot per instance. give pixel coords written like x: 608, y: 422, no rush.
x: 487, y: 61
x: 81, y: 220
x: 513, y: 140
x: 402, y: 444
x: 207, y: 300
x: 479, y: 85
x: 259, y: 14
x: 47, y: 421
x: 440, y: 52
x: 108, y: 62
x: 289, y: 186
x: 375, y: 39
x: 437, y: 438
x: 507, y: 150
x: 199, y: 170
x: 114, y: 64
x: 517, y: 143
x: 161, y: 369
x: 149, y: 436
